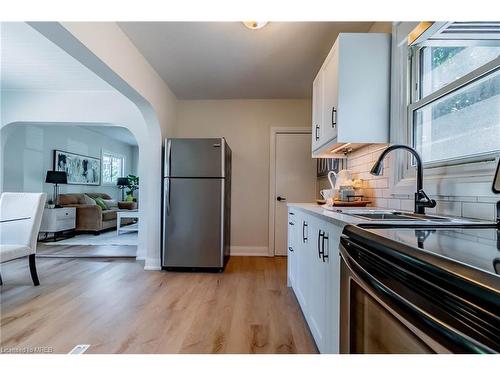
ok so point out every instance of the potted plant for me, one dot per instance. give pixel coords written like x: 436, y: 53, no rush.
x: 133, y: 185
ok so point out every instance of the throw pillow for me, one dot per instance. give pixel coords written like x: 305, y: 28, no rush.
x: 100, y: 203
x: 111, y: 203
x: 88, y: 200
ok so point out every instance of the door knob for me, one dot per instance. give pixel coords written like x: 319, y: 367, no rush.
x: 279, y: 199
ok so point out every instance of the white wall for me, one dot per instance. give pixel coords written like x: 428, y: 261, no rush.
x: 28, y: 155
x: 381, y: 27
x: 246, y: 124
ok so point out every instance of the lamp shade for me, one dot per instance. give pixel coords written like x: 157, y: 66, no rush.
x: 56, y: 177
x: 122, y: 181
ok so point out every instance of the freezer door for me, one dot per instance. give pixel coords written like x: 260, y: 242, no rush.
x: 193, y: 223
x: 194, y: 157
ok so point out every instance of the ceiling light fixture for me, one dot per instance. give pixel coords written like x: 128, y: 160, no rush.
x: 254, y: 25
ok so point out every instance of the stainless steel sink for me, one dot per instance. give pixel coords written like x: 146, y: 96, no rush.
x: 391, y: 216
x: 381, y: 218
x: 398, y: 216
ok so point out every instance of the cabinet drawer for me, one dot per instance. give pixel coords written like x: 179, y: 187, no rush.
x: 64, y: 214
x: 65, y: 224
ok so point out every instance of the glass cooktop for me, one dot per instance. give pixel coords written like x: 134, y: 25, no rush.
x: 479, y: 248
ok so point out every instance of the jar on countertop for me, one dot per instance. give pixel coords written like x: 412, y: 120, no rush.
x: 345, y: 192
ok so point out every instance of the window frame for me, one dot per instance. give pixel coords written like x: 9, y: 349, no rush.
x: 420, y: 102
x: 113, y: 155
x: 467, y: 177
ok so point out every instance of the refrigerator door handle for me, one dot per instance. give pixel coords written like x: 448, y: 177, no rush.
x: 166, y: 196
x: 169, y: 157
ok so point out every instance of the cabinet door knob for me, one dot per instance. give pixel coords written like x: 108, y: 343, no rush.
x: 280, y: 198
x: 316, y: 132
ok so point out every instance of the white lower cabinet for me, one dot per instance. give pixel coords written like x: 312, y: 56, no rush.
x: 302, y: 286
x: 315, y: 271
x: 292, y: 248
x: 317, y: 279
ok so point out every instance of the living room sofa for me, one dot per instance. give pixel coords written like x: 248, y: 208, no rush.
x: 91, y: 217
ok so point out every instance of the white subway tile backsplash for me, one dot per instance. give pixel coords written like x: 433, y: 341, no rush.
x: 376, y: 188
x: 379, y: 202
x: 394, y: 204
x: 382, y: 183
x: 449, y: 208
x: 485, y: 211
x: 407, y: 204
x: 493, y: 199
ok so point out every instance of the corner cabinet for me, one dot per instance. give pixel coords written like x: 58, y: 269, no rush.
x: 314, y: 275
x: 351, y: 94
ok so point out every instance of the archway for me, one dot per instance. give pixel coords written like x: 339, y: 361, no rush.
x: 101, y: 108
x: 105, y: 50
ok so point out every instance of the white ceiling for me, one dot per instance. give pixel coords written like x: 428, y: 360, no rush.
x: 225, y: 60
x: 115, y: 132
x: 29, y: 61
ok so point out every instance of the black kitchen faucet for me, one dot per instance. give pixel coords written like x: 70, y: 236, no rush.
x: 421, y: 199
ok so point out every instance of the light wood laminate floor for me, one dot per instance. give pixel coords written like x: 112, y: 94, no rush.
x: 117, y: 307
x: 85, y: 251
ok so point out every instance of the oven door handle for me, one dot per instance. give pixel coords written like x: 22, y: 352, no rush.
x: 427, y: 323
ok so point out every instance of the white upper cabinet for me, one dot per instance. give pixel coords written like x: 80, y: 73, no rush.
x: 317, y: 110
x: 330, y: 95
x: 351, y: 94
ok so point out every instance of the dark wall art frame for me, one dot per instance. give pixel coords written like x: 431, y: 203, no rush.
x: 81, y: 169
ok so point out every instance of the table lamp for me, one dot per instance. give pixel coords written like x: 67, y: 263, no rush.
x: 56, y: 178
x: 122, y: 183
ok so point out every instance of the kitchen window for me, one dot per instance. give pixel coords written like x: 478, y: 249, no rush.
x: 454, y: 111
x: 454, y: 114
x: 112, y: 167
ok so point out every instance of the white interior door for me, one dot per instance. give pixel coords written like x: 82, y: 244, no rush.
x: 295, y: 181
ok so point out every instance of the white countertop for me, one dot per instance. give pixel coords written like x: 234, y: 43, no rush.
x: 333, y: 215
x: 330, y: 213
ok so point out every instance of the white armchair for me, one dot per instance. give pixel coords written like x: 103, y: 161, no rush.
x: 19, y: 238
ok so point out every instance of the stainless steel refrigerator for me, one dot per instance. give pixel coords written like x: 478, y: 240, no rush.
x: 196, y: 203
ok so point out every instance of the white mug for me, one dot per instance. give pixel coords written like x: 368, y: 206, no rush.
x: 326, y: 193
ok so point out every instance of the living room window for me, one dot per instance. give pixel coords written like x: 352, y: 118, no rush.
x: 112, y: 167
x: 454, y: 111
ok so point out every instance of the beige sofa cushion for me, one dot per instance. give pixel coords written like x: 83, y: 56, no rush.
x: 108, y: 215
x: 66, y: 199
x: 100, y: 195
x: 111, y: 203
x: 88, y: 200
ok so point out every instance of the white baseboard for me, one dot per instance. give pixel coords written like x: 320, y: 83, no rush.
x: 152, y: 268
x: 258, y: 251
x: 152, y: 264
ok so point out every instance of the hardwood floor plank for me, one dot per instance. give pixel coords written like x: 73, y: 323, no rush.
x: 117, y: 307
